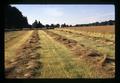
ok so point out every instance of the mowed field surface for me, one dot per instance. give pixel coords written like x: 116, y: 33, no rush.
x: 60, y: 53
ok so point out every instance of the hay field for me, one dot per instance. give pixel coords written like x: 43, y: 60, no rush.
x: 85, y: 52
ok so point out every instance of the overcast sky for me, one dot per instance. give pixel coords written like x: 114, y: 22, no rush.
x: 69, y: 14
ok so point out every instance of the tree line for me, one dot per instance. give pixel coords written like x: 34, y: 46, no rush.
x: 15, y: 20
x: 38, y: 24
x: 110, y: 22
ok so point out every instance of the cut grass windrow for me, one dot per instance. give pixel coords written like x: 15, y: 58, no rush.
x: 100, y: 39
x: 91, y: 56
x: 13, y: 45
x: 105, y: 48
x: 58, y: 61
x: 26, y: 63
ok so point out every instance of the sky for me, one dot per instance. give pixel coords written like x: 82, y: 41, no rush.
x: 69, y: 14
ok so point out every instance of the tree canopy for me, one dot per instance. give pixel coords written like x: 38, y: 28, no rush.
x: 14, y: 18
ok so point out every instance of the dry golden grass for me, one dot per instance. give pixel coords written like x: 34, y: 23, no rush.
x: 101, y: 29
x: 13, y: 46
x: 25, y: 65
x: 49, y: 55
x: 104, y: 43
x: 71, y: 64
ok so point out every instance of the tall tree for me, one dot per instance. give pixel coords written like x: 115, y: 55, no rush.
x: 57, y: 25
x: 34, y: 25
x: 14, y: 18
